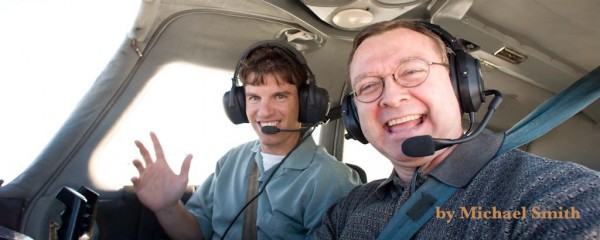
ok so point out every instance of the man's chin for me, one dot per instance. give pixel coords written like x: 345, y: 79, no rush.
x: 393, y: 151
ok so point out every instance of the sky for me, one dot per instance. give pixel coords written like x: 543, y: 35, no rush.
x: 50, y: 54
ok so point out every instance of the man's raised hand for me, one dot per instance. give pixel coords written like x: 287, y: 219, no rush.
x: 157, y: 186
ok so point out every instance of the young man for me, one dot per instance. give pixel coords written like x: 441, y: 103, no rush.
x: 288, y: 180
x: 402, y: 88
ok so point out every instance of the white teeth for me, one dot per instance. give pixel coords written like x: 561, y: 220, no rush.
x: 262, y: 124
x: 403, y: 120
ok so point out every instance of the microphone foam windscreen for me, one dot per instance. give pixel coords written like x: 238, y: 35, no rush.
x: 420, y: 146
x: 269, y: 129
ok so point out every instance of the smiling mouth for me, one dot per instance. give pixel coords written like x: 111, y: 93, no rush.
x: 405, y: 123
x: 271, y: 123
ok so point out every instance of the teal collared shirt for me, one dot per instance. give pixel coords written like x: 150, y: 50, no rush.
x: 309, y: 181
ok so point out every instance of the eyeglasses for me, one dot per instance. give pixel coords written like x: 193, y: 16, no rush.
x: 409, y: 73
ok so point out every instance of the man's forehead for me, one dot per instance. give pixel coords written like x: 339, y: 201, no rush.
x: 392, y: 47
x: 270, y: 86
x: 267, y: 79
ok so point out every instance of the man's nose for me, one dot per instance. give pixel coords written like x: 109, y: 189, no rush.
x: 265, y: 108
x: 393, y: 93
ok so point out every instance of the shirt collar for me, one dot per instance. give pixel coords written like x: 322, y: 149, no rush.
x: 300, y: 158
x: 394, y: 185
x: 458, y: 168
x: 467, y: 159
x: 389, y: 184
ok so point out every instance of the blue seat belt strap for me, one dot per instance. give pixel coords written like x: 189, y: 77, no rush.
x: 417, y: 210
x: 554, y: 111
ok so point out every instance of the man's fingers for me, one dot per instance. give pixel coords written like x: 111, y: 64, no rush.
x: 185, y: 166
x: 138, y: 165
x: 144, y: 152
x: 135, y: 181
x: 157, y: 147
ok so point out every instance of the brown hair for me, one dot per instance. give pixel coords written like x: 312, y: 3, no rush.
x: 382, y: 27
x: 272, y: 60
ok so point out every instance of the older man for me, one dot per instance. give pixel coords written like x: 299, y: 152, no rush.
x: 402, y: 82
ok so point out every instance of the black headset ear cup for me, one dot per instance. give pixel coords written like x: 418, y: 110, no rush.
x: 314, y: 104
x: 351, y: 121
x: 469, y: 82
x: 235, y: 106
x: 465, y: 71
x: 453, y: 77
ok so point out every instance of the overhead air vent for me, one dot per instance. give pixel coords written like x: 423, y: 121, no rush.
x: 352, y: 18
x: 353, y: 15
x: 510, y: 55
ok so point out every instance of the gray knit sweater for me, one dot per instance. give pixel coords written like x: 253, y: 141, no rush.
x: 515, y: 196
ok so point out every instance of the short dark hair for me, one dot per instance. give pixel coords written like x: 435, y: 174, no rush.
x: 272, y: 60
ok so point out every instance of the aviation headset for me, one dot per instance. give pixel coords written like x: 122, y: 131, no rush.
x: 465, y: 74
x: 313, y: 100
